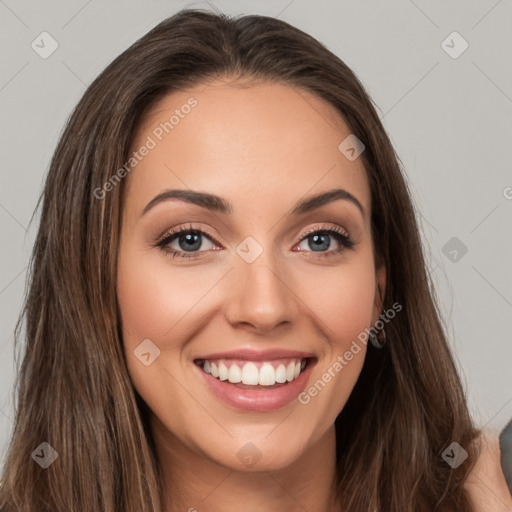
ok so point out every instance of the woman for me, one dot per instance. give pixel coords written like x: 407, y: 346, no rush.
x: 229, y: 306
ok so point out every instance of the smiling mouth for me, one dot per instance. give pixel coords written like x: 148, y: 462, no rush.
x: 255, y: 375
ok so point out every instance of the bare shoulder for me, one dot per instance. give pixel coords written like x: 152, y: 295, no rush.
x: 486, y: 483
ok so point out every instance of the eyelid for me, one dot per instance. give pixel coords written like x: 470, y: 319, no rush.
x: 185, y: 229
x: 326, y: 227
x: 318, y: 227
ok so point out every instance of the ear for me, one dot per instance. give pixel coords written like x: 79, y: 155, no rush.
x: 380, y: 291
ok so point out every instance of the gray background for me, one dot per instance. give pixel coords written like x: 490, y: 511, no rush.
x: 449, y: 119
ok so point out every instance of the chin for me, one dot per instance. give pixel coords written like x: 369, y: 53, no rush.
x: 261, y: 452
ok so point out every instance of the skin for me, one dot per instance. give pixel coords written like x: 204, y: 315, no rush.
x: 262, y: 147
x: 486, y: 484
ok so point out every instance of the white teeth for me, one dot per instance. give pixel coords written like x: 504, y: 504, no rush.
x: 250, y: 374
x: 234, y: 374
x: 267, y: 376
x: 289, y: 372
x: 223, y: 371
x: 280, y: 373
x: 263, y: 374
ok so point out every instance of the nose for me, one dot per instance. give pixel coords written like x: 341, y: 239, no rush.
x: 261, y: 296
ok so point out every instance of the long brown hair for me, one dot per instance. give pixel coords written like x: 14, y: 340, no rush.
x: 73, y: 389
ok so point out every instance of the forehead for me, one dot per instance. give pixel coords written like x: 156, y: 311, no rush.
x: 267, y: 144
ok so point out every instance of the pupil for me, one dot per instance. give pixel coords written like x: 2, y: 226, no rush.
x: 190, y: 239
x: 316, y: 238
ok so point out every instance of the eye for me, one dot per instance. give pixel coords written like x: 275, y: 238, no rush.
x: 319, y: 240
x: 188, y: 240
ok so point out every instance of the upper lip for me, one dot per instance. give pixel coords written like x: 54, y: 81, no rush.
x: 258, y: 355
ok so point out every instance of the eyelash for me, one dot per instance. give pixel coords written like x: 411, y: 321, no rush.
x: 342, y: 238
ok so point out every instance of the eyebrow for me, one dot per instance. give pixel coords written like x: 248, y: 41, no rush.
x: 218, y: 204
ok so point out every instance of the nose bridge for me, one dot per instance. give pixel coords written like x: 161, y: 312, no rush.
x: 260, y: 294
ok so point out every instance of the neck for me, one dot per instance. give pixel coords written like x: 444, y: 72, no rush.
x: 194, y: 482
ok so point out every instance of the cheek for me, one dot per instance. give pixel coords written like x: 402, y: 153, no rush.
x: 342, y: 299
x: 153, y: 297
x: 153, y: 301
x: 343, y: 302
x: 165, y: 304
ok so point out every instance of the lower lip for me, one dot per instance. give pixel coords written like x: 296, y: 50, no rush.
x: 258, y: 400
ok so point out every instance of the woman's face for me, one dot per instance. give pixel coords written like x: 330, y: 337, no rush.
x: 263, y: 287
